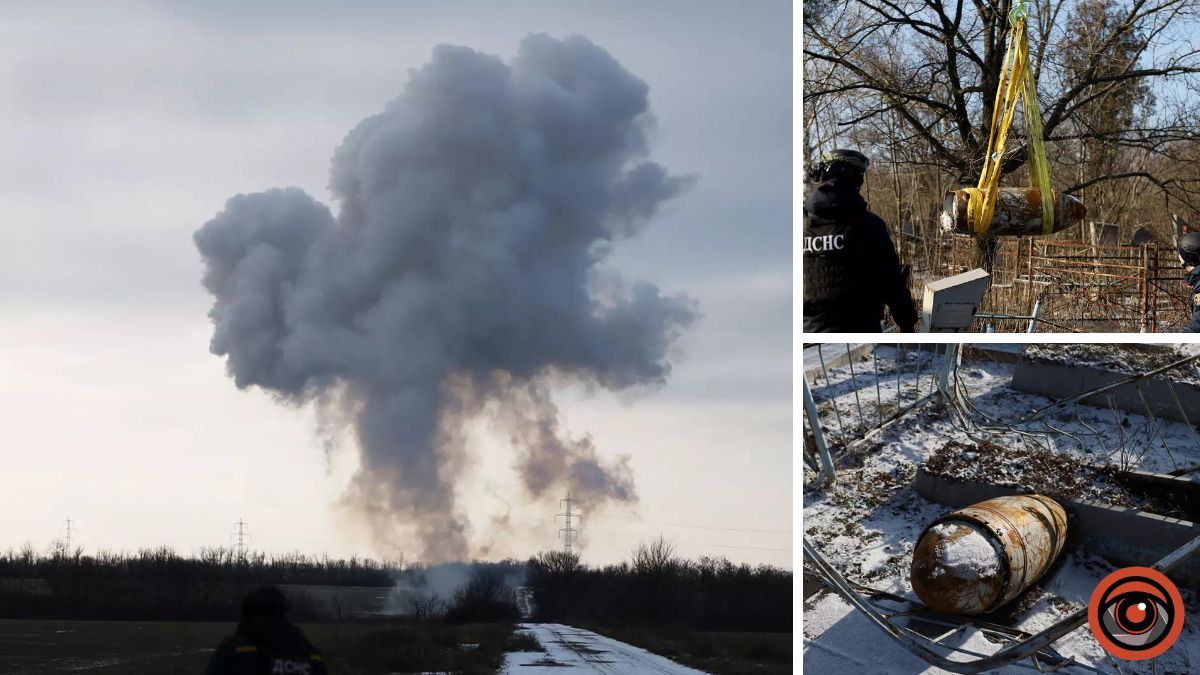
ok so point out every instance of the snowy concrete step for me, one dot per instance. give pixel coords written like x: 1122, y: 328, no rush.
x: 1171, y: 398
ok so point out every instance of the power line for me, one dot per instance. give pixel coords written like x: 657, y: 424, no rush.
x: 747, y: 548
x: 535, y: 521
x: 693, y: 543
x: 698, y: 527
x: 701, y: 543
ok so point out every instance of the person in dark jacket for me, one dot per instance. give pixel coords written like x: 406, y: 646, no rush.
x: 265, y: 642
x: 851, y: 270
x: 1189, y: 255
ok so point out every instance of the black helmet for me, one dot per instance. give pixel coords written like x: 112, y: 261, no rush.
x: 1189, y: 248
x: 264, y: 600
x: 839, y: 162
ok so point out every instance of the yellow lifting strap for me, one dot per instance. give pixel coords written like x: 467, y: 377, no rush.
x: 1016, y: 77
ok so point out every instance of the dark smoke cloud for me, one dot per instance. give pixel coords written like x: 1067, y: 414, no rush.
x: 458, y: 278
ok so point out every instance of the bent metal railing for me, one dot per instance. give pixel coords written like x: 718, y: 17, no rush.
x: 922, y: 373
x: 1128, y: 447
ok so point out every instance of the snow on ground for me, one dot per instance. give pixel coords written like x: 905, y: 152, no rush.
x: 1121, y: 358
x: 852, y: 394
x: 579, y: 652
x: 849, y: 643
x: 866, y: 523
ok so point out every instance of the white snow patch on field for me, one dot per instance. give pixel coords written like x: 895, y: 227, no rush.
x: 574, y: 651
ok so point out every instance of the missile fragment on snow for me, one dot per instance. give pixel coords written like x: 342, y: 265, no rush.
x: 1018, y: 212
x: 978, y: 558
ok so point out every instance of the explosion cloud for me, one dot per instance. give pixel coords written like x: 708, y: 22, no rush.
x: 460, y: 277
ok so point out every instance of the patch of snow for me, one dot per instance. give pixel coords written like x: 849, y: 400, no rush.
x: 968, y: 556
x: 841, y: 641
x: 574, y: 651
x: 1129, y: 359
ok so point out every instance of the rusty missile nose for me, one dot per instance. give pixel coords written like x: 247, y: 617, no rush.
x: 980, y: 557
x: 1073, y: 209
x: 956, y: 569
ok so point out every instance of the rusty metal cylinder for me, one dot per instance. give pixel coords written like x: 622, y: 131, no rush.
x: 1018, y: 212
x: 976, y: 559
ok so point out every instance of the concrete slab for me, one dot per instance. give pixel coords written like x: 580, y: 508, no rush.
x: 1059, y: 381
x: 1000, y: 353
x: 1182, y: 492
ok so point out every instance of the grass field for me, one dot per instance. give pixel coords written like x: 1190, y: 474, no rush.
x: 721, y: 653
x: 165, y: 648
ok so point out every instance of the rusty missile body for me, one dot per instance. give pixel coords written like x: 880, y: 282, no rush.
x: 978, y: 558
x: 1018, y: 212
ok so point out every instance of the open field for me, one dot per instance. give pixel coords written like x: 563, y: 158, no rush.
x: 718, y: 652
x: 31, y: 647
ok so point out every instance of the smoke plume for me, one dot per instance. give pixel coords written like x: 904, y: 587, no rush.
x: 459, y: 278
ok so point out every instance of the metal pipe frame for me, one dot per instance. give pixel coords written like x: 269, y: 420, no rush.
x: 1042, y: 412
x: 1053, y: 661
x: 938, y: 375
x: 814, y: 421
x: 1117, y: 272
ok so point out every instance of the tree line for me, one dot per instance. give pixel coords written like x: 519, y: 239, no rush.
x: 162, y: 584
x: 210, y: 565
x: 658, y: 587
x: 654, y: 587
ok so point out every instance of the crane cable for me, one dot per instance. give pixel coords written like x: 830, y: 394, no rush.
x: 1016, y: 77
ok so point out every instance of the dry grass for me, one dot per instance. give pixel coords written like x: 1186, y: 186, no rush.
x: 178, y: 647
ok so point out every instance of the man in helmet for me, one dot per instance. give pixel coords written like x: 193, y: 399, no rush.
x: 851, y: 270
x: 1189, y: 256
x: 265, y: 642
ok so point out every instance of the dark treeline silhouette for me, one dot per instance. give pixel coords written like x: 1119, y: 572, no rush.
x: 160, y: 583
x: 657, y: 587
x: 209, y: 565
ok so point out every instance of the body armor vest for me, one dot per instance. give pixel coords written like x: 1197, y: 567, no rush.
x: 830, y: 250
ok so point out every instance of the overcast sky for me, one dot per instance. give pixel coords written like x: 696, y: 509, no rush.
x: 122, y: 131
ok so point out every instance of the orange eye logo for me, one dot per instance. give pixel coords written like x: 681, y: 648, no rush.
x: 1136, y: 613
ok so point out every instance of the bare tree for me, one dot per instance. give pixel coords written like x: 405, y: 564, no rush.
x: 426, y: 606
x: 915, y: 81
x: 654, y: 557
x: 558, y: 562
